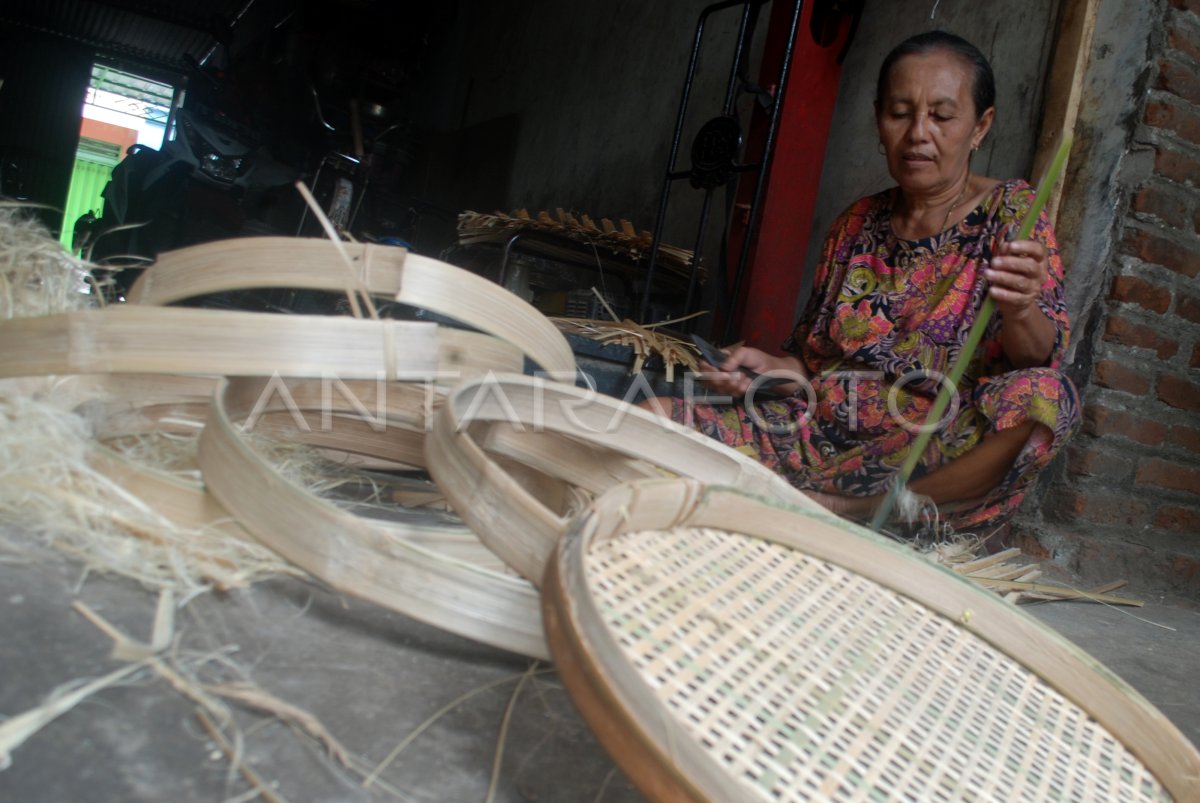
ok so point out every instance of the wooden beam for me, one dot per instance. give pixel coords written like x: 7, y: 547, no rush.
x: 1064, y: 88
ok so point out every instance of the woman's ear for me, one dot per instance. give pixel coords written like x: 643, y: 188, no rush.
x: 983, y: 125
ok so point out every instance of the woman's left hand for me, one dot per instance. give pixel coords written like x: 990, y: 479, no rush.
x: 1016, y: 275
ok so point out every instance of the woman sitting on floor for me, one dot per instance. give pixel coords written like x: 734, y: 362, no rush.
x: 901, y: 279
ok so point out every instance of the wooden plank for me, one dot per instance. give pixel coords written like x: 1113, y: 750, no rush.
x: 1064, y: 88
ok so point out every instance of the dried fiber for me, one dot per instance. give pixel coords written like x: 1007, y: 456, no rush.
x: 37, y: 276
x: 49, y: 486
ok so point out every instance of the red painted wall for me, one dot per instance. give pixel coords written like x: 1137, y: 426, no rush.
x: 107, y: 132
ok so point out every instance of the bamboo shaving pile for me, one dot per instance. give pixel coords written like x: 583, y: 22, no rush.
x: 37, y: 277
x: 623, y: 239
x: 48, y: 485
x: 1011, y: 575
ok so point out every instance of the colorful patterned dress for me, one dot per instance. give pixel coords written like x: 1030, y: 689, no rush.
x: 887, y: 319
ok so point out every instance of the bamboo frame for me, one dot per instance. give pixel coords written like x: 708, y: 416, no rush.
x: 132, y: 339
x: 666, y: 761
x: 358, y: 556
x: 254, y: 262
x: 588, y: 451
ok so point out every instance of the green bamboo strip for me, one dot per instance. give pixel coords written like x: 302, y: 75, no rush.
x: 1045, y: 188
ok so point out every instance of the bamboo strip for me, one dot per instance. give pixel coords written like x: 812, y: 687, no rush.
x: 1058, y: 592
x: 252, y: 262
x: 134, y: 339
x: 507, y: 516
x: 357, y: 557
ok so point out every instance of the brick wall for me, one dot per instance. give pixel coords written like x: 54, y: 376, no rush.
x: 1130, y: 489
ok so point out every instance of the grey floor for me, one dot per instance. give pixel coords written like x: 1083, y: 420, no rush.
x: 371, y: 678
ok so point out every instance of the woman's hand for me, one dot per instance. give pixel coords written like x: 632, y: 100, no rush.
x: 729, y: 379
x: 1016, y: 274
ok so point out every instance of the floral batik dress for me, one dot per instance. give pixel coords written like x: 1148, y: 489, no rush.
x: 886, y: 322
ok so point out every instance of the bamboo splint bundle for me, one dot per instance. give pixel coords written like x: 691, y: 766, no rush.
x: 356, y: 555
x: 265, y: 262
x: 644, y: 340
x: 622, y: 238
x: 722, y: 648
x: 580, y: 440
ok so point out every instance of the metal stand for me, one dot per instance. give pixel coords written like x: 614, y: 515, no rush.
x: 717, y: 146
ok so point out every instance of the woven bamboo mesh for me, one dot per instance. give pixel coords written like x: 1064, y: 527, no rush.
x: 895, y: 700
x: 719, y: 661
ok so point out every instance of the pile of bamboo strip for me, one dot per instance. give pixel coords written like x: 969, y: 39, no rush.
x: 645, y: 341
x: 621, y: 238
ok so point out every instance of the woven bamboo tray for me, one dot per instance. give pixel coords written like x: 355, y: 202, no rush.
x: 398, y: 566
x: 723, y: 649
x: 265, y: 262
x: 512, y: 452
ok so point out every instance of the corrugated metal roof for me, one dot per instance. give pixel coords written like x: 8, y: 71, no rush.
x: 162, y: 34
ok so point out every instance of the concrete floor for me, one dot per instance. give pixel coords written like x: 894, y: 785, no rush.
x: 371, y: 677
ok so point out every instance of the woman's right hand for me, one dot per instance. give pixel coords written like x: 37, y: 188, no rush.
x: 729, y: 379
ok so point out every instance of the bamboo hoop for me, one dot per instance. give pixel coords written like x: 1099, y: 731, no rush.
x: 361, y: 557
x: 508, y: 516
x: 131, y: 339
x: 253, y: 262
x: 725, y: 648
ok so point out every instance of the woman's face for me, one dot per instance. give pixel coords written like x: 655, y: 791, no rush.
x: 927, y: 122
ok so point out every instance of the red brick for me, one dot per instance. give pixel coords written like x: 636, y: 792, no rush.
x: 1176, y: 166
x: 1098, y: 461
x: 1119, y: 329
x: 1141, y: 292
x: 1174, y: 117
x: 1188, y: 307
x: 1100, y: 421
x: 1112, y: 374
x: 1185, y: 436
x: 1178, y: 519
x: 1102, y: 507
x: 1179, y: 79
x: 1163, y: 205
x: 1185, y: 568
x: 1179, y: 392
x: 1168, y: 474
x: 1150, y: 247
x: 1185, y: 41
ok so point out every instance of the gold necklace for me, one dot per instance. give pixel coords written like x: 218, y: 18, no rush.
x: 954, y: 206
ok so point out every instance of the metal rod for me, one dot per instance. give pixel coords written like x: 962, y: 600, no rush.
x: 676, y: 137
x: 768, y: 153
x: 700, y: 234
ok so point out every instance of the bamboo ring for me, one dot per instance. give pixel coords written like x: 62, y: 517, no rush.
x: 359, y: 556
x: 579, y: 439
x: 251, y: 262
x: 133, y: 339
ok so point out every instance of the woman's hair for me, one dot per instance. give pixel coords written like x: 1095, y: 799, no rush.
x: 983, y: 81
